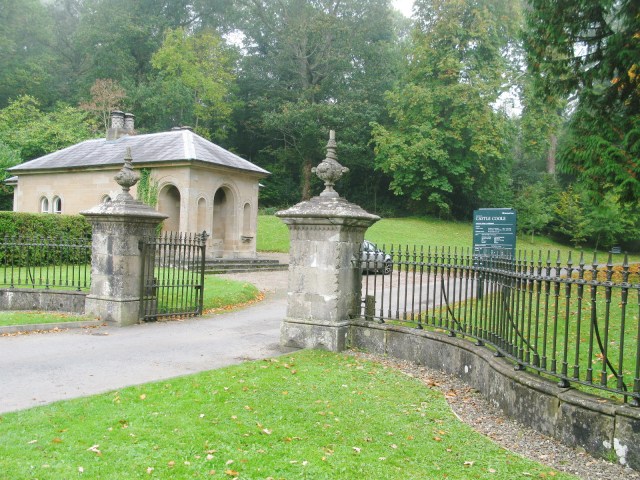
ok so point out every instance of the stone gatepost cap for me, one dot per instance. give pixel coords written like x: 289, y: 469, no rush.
x: 334, y: 210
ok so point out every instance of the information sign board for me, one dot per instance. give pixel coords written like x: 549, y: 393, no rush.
x: 494, y: 232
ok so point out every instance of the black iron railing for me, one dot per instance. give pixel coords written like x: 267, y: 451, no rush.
x: 577, y: 321
x: 45, y: 262
x: 172, y: 283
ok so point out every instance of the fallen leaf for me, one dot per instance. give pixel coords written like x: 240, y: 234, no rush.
x: 81, y: 470
x: 143, y: 396
x: 232, y: 473
x: 468, y: 464
x: 150, y: 470
x: 94, y: 449
x: 356, y: 449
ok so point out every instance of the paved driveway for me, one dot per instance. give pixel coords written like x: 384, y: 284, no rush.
x: 37, y: 369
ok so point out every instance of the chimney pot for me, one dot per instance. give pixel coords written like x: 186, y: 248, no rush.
x: 129, y: 122
x: 117, y: 119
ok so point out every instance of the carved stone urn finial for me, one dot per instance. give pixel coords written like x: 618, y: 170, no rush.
x: 126, y: 177
x: 329, y: 170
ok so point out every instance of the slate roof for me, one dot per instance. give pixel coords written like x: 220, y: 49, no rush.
x: 150, y: 148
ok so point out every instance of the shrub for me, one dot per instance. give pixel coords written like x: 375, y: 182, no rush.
x: 43, y: 225
x: 30, y: 239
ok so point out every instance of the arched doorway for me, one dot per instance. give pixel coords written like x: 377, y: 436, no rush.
x: 222, y: 225
x: 169, y: 204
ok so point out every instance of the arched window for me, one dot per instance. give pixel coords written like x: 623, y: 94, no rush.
x: 201, y: 217
x: 57, y: 205
x: 44, y: 205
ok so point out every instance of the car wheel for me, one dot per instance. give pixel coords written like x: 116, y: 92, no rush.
x: 388, y: 267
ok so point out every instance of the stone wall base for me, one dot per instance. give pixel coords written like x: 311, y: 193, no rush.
x: 297, y: 334
x: 45, y: 300
x: 120, y: 312
x: 603, y: 428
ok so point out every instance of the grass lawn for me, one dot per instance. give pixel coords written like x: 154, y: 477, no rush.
x: 59, y: 277
x: 312, y: 415
x: 33, y: 318
x: 219, y: 294
x: 273, y: 236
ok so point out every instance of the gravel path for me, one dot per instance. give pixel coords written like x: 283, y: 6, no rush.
x: 472, y: 408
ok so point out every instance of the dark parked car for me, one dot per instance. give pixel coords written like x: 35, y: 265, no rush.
x: 374, y: 259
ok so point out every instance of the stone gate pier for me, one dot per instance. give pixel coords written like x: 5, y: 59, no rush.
x: 324, y: 269
x: 116, y: 262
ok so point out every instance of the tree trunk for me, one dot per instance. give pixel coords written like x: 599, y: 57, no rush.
x: 551, y: 154
x: 306, y: 179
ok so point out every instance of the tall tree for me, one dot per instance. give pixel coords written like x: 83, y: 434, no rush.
x: 26, y: 61
x: 446, y: 148
x: 31, y: 132
x: 106, y: 96
x: 307, y: 62
x: 589, y: 50
x: 204, y: 66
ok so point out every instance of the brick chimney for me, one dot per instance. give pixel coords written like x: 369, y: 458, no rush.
x: 121, y: 124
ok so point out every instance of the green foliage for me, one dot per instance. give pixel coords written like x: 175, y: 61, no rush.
x: 26, y: 129
x: 571, y: 219
x: 57, y: 228
x: 590, y: 49
x: 446, y: 148
x: 604, y: 153
x: 27, y: 62
x: 310, y: 67
x: 147, y: 189
x: 43, y: 225
x: 203, y: 64
x: 612, y: 223
x: 534, y: 207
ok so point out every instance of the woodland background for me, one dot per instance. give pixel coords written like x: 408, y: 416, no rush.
x: 529, y: 104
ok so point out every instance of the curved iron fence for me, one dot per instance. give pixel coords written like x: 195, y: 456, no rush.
x: 576, y: 321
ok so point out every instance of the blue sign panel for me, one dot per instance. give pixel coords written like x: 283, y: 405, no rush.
x: 494, y: 232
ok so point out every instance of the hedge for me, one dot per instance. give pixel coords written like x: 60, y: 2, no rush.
x: 43, y: 225
x: 39, y: 239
